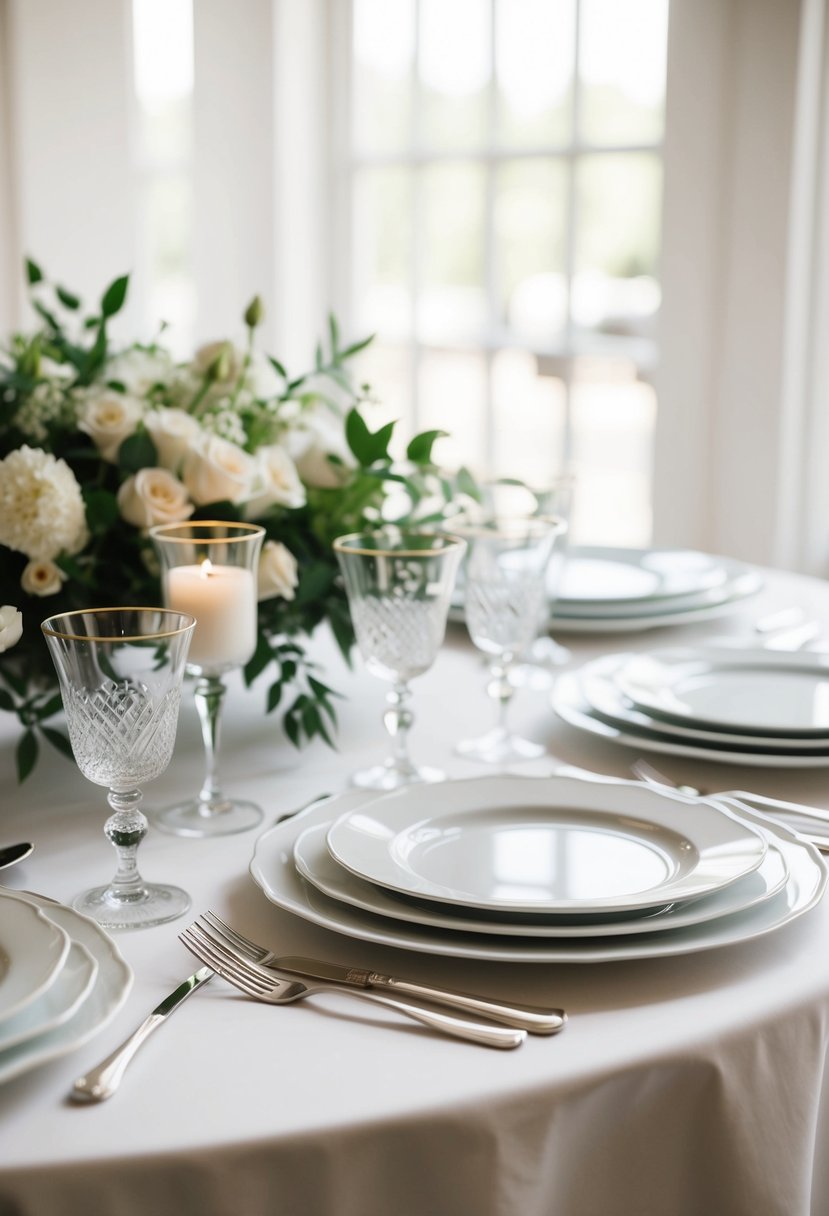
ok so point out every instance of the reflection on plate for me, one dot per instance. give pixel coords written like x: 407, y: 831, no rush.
x: 316, y: 865
x: 550, y: 845
x: 274, y: 872
x: 108, y: 993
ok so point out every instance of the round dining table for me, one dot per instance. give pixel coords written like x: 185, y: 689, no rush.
x: 690, y: 1085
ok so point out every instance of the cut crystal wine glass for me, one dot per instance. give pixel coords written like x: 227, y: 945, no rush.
x: 399, y: 583
x: 505, y: 588
x: 209, y: 568
x: 120, y: 672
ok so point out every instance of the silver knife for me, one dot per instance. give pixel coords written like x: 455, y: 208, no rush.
x: 101, y: 1082
x: 526, y: 1017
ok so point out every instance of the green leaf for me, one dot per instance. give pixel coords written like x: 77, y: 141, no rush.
x: 334, y: 332
x: 278, y: 367
x: 48, y: 317
x: 137, y: 452
x: 26, y: 754
x: 356, y: 347
x: 224, y: 511
x: 367, y: 446
x: 468, y: 485
x: 33, y: 273
x: 59, y: 741
x: 67, y: 299
x: 314, y: 581
x: 101, y: 509
x: 6, y: 701
x: 292, y: 727
x: 262, y: 656
x: 274, y: 696
x: 113, y: 298
x: 52, y: 706
x: 420, y: 448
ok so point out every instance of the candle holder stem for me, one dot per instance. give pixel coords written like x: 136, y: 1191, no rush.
x: 211, y: 812
x: 209, y: 695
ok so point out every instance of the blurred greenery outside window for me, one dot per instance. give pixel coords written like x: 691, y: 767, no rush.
x: 505, y: 195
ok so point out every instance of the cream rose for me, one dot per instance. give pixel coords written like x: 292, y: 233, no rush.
x: 109, y: 418
x: 11, y: 627
x: 138, y: 370
x: 173, y: 432
x: 318, y: 436
x: 42, y: 578
x: 277, y: 483
x: 153, y: 496
x: 215, y: 469
x: 278, y: 575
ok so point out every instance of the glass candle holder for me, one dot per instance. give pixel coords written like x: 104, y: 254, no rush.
x: 209, y: 569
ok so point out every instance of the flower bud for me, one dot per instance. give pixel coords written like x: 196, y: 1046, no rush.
x: 254, y: 313
x: 219, y: 369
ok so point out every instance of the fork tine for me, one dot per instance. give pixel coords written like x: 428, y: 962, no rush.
x: 231, y: 959
x: 221, y: 960
x: 243, y: 944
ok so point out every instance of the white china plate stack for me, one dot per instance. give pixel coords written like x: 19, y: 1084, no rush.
x: 728, y: 703
x: 538, y: 869
x: 608, y: 590
x: 61, y: 980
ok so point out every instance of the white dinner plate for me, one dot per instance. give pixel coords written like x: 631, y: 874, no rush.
x: 745, y: 691
x: 595, y: 576
x: 57, y: 1004
x: 274, y: 872
x: 112, y: 983
x: 32, y: 951
x: 544, y: 845
x: 603, y: 690
x: 317, y: 866
x: 571, y: 705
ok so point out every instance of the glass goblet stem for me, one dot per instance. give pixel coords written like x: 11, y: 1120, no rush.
x: 125, y: 829
x: 209, y: 696
x: 500, y: 688
x: 398, y: 719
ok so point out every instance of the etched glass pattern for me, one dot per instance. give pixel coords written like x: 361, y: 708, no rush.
x: 121, y: 735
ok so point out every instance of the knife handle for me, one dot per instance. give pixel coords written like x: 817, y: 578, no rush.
x: 101, y: 1082
x: 536, y: 1021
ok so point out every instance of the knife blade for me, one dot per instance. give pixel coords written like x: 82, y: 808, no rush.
x: 101, y: 1082
x: 527, y: 1017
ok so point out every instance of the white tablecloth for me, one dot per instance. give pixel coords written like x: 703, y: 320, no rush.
x: 681, y: 1087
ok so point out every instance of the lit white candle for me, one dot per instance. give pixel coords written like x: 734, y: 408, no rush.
x: 223, y: 601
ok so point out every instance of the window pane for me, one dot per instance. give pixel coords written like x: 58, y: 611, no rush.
x: 454, y: 72
x: 165, y: 239
x: 382, y: 251
x: 617, y: 243
x: 530, y: 210
x: 381, y: 70
x: 163, y: 66
x: 534, y: 71
x: 613, y: 421
x: 387, y: 369
x: 452, y: 303
x: 622, y: 70
x: 452, y: 396
x: 529, y: 419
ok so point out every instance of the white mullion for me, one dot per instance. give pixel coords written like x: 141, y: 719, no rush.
x: 570, y: 239
x: 574, y: 148
x: 415, y: 161
x: 490, y: 259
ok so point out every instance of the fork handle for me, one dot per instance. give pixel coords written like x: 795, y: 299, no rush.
x: 474, y: 1032
x: 101, y: 1082
x: 536, y: 1021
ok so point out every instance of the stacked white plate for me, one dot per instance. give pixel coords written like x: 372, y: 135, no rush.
x: 605, y: 590
x: 531, y: 869
x: 61, y: 980
x: 728, y: 703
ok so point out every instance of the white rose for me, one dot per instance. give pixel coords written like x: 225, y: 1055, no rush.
x: 318, y: 436
x: 42, y: 512
x: 11, y: 627
x: 153, y: 496
x: 277, y: 483
x: 173, y: 432
x: 215, y: 469
x: 138, y: 370
x: 277, y: 572
x: 207, y: 355
x: 42, y: 578
x: 109, y: 418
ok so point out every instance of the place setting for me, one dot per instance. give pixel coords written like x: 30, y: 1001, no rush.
x: 733, y: 703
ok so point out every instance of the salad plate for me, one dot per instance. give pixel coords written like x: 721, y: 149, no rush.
x: 32, y: 951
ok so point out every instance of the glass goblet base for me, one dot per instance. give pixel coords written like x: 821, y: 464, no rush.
x: 151, y: 904
x: 499, y: 746
x: 387, y: 777
x: 197, y: 818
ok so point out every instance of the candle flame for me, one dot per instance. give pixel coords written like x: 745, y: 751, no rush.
x: 207, y: 567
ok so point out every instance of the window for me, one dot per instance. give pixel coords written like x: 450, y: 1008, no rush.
x: 504, y: 191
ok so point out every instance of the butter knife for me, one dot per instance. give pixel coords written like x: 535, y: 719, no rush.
x: 101, y: 1082
x: 525, y: 1017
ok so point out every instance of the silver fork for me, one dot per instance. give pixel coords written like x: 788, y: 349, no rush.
x: 524, y: 1017
x: 265, y: 985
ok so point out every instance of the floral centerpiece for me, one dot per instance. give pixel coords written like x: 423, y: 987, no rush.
x: 98, y: 444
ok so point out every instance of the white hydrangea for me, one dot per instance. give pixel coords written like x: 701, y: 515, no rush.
x: 41, y: 507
